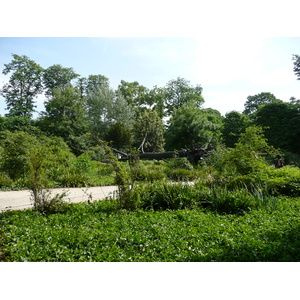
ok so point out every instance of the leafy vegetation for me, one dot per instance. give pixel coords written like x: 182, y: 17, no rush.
x: 235, y: 205
x: 99, y: 232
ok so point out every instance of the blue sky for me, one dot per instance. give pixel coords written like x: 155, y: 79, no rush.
x: 228, y: 68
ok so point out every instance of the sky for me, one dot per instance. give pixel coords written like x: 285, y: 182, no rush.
x: 229, y: 69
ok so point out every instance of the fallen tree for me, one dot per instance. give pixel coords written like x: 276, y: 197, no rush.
x: 194, y: 155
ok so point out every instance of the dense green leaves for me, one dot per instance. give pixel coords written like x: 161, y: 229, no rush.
x: 234, y: 125
x: 99, y: 233
x: 24, y: 85
x: 190, y: 126
x: 179, y: 92
x: 148, y: 132
x: 57, y: 76
x: 281, y: 123
x: 253, y: 102
x: 66, y: 117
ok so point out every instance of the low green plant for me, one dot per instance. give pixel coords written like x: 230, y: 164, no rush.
x: 45, y: 203
x: 181, y: 174
x: 100, y: 232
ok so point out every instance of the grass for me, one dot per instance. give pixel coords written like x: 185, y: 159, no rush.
x: 100, y: 232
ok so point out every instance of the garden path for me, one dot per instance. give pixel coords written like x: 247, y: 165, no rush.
x: 17, y: 200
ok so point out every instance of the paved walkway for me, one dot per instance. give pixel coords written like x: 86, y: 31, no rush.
x: 14, y: 200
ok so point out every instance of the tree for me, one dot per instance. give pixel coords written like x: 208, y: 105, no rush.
x: 99, y: 105
x: 253, y: 102
x: 148, y: 132
x: 190, y: 126
x: 89, y: 85
x: 296, y: 59
x: 234, y: 124
x: 156, y: 100
x: 119, y: 136
x: 243, y: 158
x: 57, y: 76
x: 133, y: 92
x: 24, y: 85
x: 179, y: 92
x: 106, y: 107
x: 281, y: 123
x: 66, y: 117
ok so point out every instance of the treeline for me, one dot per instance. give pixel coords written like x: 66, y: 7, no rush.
x: 84, y: 110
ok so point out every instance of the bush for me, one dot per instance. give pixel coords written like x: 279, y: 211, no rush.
x: 161, y: 196
x: 78, y: 173
x: 45, y: 203
x: 181, y: 174
x: 240, y: 201
x: 179, y: 163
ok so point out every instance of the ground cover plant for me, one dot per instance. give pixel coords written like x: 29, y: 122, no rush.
x: 100, y: 232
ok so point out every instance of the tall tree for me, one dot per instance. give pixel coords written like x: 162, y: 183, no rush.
x: 90, y: 84
x: 281, y: 123
x: 179, y: 92
x: 99, y: 104
x: 190, y: 126
x: 119, y: 136
x: 66, y: 117
x: 296, y: 59
x: 105, y: 107
x: 253, y: 102
x: 24, y: 85
x: 148, y: 132
x: 234, y: 124
x: 56, y: 76
x: 134, y: 93
x: 156, y: 100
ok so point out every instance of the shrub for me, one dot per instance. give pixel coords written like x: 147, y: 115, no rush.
x: 240, y: 200
x: 179, y: 163
x: 181, y: 174
x: 285, y: 181
x: 45, y: 203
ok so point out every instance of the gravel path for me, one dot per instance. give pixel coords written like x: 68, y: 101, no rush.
x: 17, y: 200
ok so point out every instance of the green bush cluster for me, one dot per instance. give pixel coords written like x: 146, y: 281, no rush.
x: 98, y: 232
x: 22, y: 152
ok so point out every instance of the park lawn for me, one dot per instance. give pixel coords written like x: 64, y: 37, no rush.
x: 98, y: 232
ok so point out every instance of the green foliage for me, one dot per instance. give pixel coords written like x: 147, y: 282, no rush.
x: 100, y: 233
x: 179, y: 92
x: 24, y: 154
x: 234, y: 124
x: 253, y: 102
x: 77, y: 173
x: 57, y: 77
x: 240, y: 200
x: 189, y: 126
x: 134, y: 93
x: 104, y: 108
x: 180, y: 169
x: 161, y: 196
x: 45, y: 203
x: 296, y: 59
x: 148, y: 132
x: 24, y: 85
x: 119, y: 137
x: 66, y: 117
x: 90, y: 84
x: 281, y: 124
x: 245, y: 157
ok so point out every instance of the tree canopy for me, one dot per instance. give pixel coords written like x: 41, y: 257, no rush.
x: 81, y: 110
x: 24, y: 85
